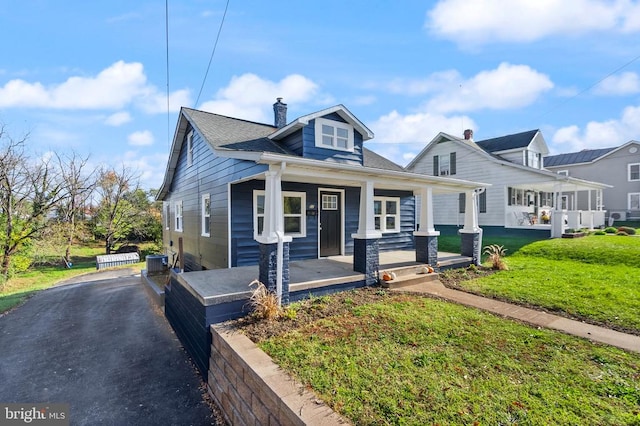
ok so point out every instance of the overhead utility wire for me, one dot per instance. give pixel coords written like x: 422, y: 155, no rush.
x: 593, y: 85
x: 166, y: 30
x: 213, y: 52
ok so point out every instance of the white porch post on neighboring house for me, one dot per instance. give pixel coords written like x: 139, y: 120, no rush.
x: 426, y: 237
x: 557, y: 214
x: 366, y: 257
x: 274, y: 245
x: 471, y: 234
x: 590, y: 212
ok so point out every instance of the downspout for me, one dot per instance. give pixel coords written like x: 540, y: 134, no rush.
x: 280, y: 246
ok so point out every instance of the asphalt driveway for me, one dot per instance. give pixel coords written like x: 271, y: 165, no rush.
x: 103, y: 348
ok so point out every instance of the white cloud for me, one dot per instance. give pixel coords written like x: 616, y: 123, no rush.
x: 482, y: 21
x: 627, y: 83
x: 433, y: 83
x: 114, y: 87
x: 149, y: 168
x: 156, y: 103
x: 141, y: 138
x: 598, y: 134
x: 118, y: 119
x: 401, y: 137
x: 251, y: 97
x: 506, y: 87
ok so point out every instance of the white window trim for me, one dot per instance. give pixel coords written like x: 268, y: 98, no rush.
x: 383, y: 223
x: 336, y: 125
x: 205, y: 216
x: 190, y: 148
x: 631, y: 195
x: 563, y: 172
x: 166, y: 211
x: 302, y: 215
x: 629, y: 172
x: 178, y: 222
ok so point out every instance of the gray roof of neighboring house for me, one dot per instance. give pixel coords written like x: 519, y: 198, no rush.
x: 505, y: 143
x: 241, y: 135
x: 584, y: 156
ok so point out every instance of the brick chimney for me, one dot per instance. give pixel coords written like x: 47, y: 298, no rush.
x: 280, y: 113
x: 468, y: 135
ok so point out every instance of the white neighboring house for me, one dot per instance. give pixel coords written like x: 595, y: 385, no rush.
x: 522, y: 190
x: 616, y: 166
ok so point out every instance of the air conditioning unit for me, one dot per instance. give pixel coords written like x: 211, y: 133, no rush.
x: 618, y: 215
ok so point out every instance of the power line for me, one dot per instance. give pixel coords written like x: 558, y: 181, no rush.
x: 166, y: 28
x: 213, y: 52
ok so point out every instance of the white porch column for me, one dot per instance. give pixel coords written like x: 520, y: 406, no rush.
x: 366, y: 223
x: 471, y: 212
x: 426, y: 237
x: 557, y: 214
x: 427, y: 227
x: 273, y: 211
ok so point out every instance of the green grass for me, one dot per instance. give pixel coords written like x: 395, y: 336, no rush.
x: 19, y: 288
x: 451, y: 243
x: 595, y: 278
x: 415, y: 361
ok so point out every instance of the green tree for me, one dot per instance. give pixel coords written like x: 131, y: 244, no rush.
x: 147, y: 224
x: 115, y: 214
x: 29, y: 191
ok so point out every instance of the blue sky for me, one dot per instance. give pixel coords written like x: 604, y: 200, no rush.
x: 91, y: 76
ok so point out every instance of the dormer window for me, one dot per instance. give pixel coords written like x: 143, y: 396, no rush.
x: 334, y: 135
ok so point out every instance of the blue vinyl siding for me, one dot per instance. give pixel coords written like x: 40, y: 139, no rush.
x: 208, y: 174
x: 245, y: 249
x: 293, y: 142
x: 402, y: 240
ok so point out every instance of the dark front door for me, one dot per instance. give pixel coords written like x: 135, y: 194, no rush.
x: 330, y: 223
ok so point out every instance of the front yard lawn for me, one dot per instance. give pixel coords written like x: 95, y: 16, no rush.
x: 406, y: 359
x: 596, y: 279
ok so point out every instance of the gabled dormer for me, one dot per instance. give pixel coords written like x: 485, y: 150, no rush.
x: 526, y: 148
x: 332, y: 134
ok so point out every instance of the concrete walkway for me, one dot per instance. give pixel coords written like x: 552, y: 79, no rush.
x: 531, y: 316
x: 101, y: 347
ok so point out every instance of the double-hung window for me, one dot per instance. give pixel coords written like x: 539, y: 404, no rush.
x: 634, y: 172
x: 334, y: 135
x: 444, y: 165
x: 190, y: 148
x: 205, y: 215
x: 386, y: 214
x: 178, y: 216
x: 167, y: 215
x: 634, y: 201
x: 293, y: 204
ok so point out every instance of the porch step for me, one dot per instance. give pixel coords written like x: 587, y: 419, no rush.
x: 407, y: 276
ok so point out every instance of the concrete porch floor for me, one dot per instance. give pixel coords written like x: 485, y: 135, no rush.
x: 217, y: 286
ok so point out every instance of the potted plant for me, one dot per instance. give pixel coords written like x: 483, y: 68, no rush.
x: 545, y: 217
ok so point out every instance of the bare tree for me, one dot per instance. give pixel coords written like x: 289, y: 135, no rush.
x: 29, y: 190
x: 114, y: 214
x: 78, y: 186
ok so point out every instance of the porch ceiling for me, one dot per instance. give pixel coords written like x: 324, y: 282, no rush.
x: 339, y: 174
x: 560, y: 185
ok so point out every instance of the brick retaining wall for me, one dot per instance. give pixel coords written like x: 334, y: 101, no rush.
x: 252, y: 390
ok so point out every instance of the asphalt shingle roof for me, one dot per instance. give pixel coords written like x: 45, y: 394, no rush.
x: 505, y: 143
x: 584, y: 156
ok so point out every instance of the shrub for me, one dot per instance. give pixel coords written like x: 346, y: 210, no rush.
x: 622, y: 233
x: 610, y: 230
x: 626, y: 229
x: 600, y: 232
x: 264, y: 303
x: 495, y: 254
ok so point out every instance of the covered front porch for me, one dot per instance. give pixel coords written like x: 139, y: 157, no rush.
x: 555, y: 205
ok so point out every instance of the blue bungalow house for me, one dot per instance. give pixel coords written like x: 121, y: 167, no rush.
x: 234, y: 191
x: 241, y: 195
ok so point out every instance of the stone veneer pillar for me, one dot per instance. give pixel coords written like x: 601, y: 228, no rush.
x: 471, y: 245
x: 426, y: 249
x: 268, y: 266
x: 366, y: 259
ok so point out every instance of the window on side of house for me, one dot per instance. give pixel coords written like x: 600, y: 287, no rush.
x: 563, y: 172
x: 178, y: 215
x: 482, y: 202
x: 166, y: 211
x: 634, y: 201
x: 634, y: 172
x: 205, y: 215
x: 386, y: 214
x: 293, y: 204
x: 334, y: 135
x: 444, y: 165
x: 190, y: 148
